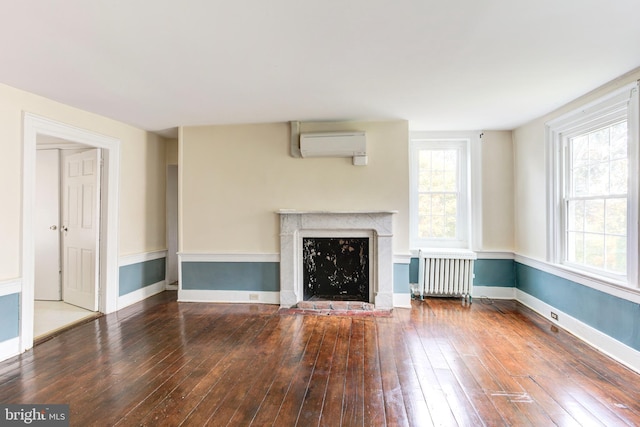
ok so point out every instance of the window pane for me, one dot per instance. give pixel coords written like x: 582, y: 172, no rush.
x: 576, y: 215
x: 575, y: 247
x: 424, y: 170
x: 599, y: 145
x: 594, y: 250
x: 424, y: 182
x: 598, y: 179
x: 424, y: 215
x: 424, y: 227
x: 450, y: 210
x: 619, y: 141
x: 437, y: 215
x: 594, y: 216
x: 449, y: 180
x: 437, y: 157
x: 619, y: 177
x: 437, y: 204
x: 616, y: 216
x: 580, y: 181
x: 451, y: 160
x: 580, y: 150
x: 424, y: 205
x: 438, y: 230
x: 451, y: 205
x: 442, y: 170
x: 616, y: 254
x: 450, y: 227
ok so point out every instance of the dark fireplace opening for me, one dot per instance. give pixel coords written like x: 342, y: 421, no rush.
x: 335, y: 268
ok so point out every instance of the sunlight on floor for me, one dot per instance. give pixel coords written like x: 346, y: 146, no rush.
x: 53, y: 315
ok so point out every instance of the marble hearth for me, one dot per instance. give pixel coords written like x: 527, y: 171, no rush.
x: 376, y: 225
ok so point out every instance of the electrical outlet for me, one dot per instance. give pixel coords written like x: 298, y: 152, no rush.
x: 554, y: 316
x: 253, y: 297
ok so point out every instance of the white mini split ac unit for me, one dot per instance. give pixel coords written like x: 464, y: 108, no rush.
x: 335, y: 144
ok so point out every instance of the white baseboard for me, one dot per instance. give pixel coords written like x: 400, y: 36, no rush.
x: 171, y: 287
x: 402, y: 300
x: 494, y: 292
x: 140, y: 294
x: 259, y: 297
x: 9, y: 348
x: 603, y: 342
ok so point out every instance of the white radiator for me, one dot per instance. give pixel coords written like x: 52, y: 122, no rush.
x: 446, y: 273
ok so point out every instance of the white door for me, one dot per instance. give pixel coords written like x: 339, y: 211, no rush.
x: 47, y: 221
x: 80, y: 228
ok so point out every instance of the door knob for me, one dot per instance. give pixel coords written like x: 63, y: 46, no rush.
x: 53, y: 227
x: 64, y: 228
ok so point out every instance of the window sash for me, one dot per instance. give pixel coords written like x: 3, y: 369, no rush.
x: 607, y: 261
x: 593, y: 249
x: 442, y: 214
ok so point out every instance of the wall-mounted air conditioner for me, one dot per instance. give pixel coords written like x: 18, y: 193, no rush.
x: 335, y: 144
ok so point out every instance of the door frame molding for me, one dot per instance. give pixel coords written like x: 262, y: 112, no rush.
x: 33, y: 126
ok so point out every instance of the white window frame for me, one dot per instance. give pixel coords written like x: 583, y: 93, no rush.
x: 469, y: 222
x: 618, y: 104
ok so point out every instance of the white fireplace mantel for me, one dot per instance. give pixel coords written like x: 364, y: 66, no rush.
x: 294, y: 224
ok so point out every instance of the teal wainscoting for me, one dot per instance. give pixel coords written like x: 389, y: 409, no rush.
x: 137, y: 276
x: 231, y: 276
x: 613, y: 316
x: 413, y: 270
x: 494, y: 272
x: 401, y: 274
x: 488, y: 272
x: 9, y: 316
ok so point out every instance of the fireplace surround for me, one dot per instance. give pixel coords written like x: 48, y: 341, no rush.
x: 376, y: 225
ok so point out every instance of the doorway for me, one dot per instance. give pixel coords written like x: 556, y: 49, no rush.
x: 172, y: 276
x: 67, y: 218
x: 106, y: 267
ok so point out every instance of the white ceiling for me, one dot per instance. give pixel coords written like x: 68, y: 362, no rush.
x: 442, y: 65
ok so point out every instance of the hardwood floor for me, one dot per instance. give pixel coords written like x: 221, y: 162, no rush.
x: 161, y: 363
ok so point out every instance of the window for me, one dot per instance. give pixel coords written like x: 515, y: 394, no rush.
x: 595, y: 188
x: 440, y: 190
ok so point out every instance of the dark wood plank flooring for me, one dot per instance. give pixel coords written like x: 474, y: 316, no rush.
x: 163, y: 363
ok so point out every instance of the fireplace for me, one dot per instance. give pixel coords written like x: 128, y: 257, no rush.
x: 374, y: 226
x: 335, y: 268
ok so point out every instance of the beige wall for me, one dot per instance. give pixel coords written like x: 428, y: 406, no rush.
x: 10, y: 190
x: 142, y: 170
x: 530, y: 173
x: 142, y: 193
x: 171, y: 152
x: 235, y: 178
x: 497, y: 191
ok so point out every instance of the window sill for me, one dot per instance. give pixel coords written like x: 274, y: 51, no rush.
x: 589, y: 275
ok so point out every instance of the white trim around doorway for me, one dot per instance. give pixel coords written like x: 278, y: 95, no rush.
x: 108, y: 287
